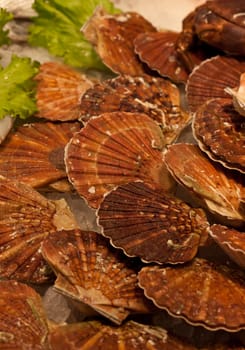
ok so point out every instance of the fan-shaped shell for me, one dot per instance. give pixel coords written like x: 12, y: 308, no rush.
x: 112, y: 149
x: 219, y: 131
x: 151, y: 225
x: 231, y: 241
x: 209, y: 79
x: 218, y: 189
x: 112, y: 37
x: 23, y: 324
x: 156, y: 97
x: 131, y: 335
x: 59, y: 90
x: 26, y: 218
x: 201, y: 292
x: 95, y: 274
x: 34, y: 153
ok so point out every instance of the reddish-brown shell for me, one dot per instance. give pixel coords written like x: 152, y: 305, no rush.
x: 203, y: 293
x: 112, y: 149
x: 94, y: 335
x: 209, y: 80
x: 90, y: 271
x: 151, y: 224
x: 113, y: 35
x: 219, y: 131
x: 59, y: 90
x: 23, y: 324
x: 218, y: 189
x: 231, y: 241
x: 34, y: 153
x: 26, y: 219
x: 156, y: 97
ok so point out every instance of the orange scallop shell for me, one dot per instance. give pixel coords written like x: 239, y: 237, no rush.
x: 151, y: 224
x: 113, y: 35
x: 90, y: 271
x: 112, y: 149
x: 59, y: 90
x: 201, y: 292
x: 34, y: 153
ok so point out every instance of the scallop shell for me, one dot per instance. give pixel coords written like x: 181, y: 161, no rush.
x: 151, y: 225
x: 59, y: 90
x: 238, y: 95
x: 131, y: 335
x: 231, y: 241
x: 112, y: 149
x: 218, y: 189
x: 156, y: 97
x: 34, y: 153
x: 210, y: 78
x: 201, y: 292
x: 26, y: 218
x: 23, y: 324
x: 112, y: 37
x: 219, y: 131
x: 89, y: 271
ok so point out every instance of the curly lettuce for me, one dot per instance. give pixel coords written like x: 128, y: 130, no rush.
x: 5, y: 17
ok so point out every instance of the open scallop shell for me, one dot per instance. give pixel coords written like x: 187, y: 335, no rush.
x: 203, y: 293
x: 131, y: 335
x: 231, y: 241
x: 95, y: 274
x: 23, y: 323
x: 151, y: 225
x: 219, y: 131
x: 112, y: 149
x: 26, y: 218
x: 156, y: 97
x: 210, y: 78
x: 34, y: 153
x: 113, y: 35
x: 218, y: 189
x: 59, y: 90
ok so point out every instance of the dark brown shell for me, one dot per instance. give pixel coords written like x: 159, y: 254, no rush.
x: 23, y: 324
x: 94, y: 335
x: 112, y: 149
x: 34, y: 153
x: 91, y: 272
x: 219, y: 131
x: 113, y: 35
x: 210, y: 78
x: 231, y: 241
x: 234, y: 11
x: 218, y: 189
x: 59, y: 90
x: 201, y: 292
x: 151, y: 225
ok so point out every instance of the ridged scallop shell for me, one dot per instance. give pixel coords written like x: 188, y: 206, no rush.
x: 203, y: 293
x: 26, y: 218
x: 156, y: 97
x: 112, y: 149
x: 23, y: 324
x: 231, y: 241
x: 90, y: 271
x: 59, y: 90
x: 131, y: 336
x: 112, y: 37
x: 210, y: 78
x: 151, y: 225
x: 219, y: 131
x: 220, y: 191
x: 34, y: 153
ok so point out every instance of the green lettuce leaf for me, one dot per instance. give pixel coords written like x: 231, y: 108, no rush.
x: 17, y: 97
x: 5, y: 17
x: 57, y: 27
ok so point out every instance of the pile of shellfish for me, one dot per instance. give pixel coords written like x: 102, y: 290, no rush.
x: 125, y: 194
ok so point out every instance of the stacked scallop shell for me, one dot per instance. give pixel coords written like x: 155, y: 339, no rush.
x: 168, y: 242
